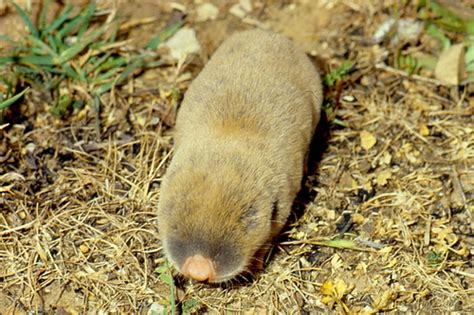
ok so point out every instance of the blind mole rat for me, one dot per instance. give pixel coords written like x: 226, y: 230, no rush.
x: 241, y: 137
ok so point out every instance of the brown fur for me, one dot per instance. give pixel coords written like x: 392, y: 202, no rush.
x: 242, y: 135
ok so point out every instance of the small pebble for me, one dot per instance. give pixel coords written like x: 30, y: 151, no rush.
x: 348, y: 98
x: 84, y: 248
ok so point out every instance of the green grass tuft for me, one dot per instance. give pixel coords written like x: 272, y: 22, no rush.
x: 338, y: 74
x: 73, y: 50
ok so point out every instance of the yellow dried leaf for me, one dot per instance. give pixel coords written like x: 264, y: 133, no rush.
x: 327, y: 299
x: 443, y: 233
x: 382, y: 302
x: 72, y: 311
x: 336, y: 262
x: 357, y: 218
x: 327, y: 288
x: 367, y: 140
x: 386, y: 158
x: 300, y: 235
x: 84, y: 248
x: 385, y: 251
x: 362, y: 266
x: 392, y: 263
x: 367, y: 186
x: 383, y: 177
x: 463, y: 251
x: 340, y: 288
x: 354, y: 184
x: 424, y: 131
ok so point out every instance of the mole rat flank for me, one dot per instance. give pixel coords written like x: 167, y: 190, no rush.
x: 241, y: 138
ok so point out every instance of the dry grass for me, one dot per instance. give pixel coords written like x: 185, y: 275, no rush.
x: 77, y: 230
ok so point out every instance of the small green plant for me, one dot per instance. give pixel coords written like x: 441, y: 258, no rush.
x: 9, y: 100
x: 74, y: 59
x: 338, y: 74
x: 164, y: 273
x: 189, y: 306
x: 434, y: 259
x: 437, y: 14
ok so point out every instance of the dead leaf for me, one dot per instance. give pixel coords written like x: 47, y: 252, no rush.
x: 367, y: 140
x: 383, y: 177
x: 358, y: 218
x: 382, y: 302
x: 424, y: 131
x: 336, y: 262
x: 450, y: 66
x: 386, y: 158
x: 334, y: 292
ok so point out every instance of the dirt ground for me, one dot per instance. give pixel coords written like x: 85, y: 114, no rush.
x: 395, y: 177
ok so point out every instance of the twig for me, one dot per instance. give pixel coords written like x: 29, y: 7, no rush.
x: 384, y: 67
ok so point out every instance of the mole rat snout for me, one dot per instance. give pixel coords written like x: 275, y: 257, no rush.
x: 204, y: 258
x: 199, y: 268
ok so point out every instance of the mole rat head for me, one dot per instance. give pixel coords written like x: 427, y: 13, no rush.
x: 213, y: 220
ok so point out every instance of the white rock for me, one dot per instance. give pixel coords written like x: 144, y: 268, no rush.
x: 156, y: 308
x: 237, y: 10
x: 246, y: 5
x: 206, y: 11
x: 183, y: 43
x: 348, y: 98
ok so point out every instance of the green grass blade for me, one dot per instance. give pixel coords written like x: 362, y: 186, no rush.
x: 53, y: 84
x: 96, y: 62
x: 438, y: 34
x: 70, y: 26
x: 7, y: 39
x: 9, y: 59
x: 31, y: 59
x: 36, y: 60
x: 42, y: 45
x: 106, y: 75
x: 4, y: 104
x: 26, y: 20
x: 69, y: 71
x: 58, y: 22
x: 154, y: 42
x: 26, y: 71
x: 447, y: 19
x: 338, y: 74
x: 128, y: 70
x: 59, y: 42
x: 111, y: 63
x: 469, y: 58
x: 87, y: 14
x: 153, y: 64
x: 163, y: 35
x: 78, y: 47
x: 470, y: 27
x: 52, y: 43
x: 43, y: 15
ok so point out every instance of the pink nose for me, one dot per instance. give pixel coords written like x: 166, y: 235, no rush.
x: 199, y: 268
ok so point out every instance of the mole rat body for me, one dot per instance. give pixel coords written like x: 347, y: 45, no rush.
x: 242, y: 134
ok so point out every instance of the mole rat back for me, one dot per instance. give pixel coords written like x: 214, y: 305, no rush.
x: 242, y: 134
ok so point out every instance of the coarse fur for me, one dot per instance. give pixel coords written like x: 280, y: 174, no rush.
x: 242, y: 135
